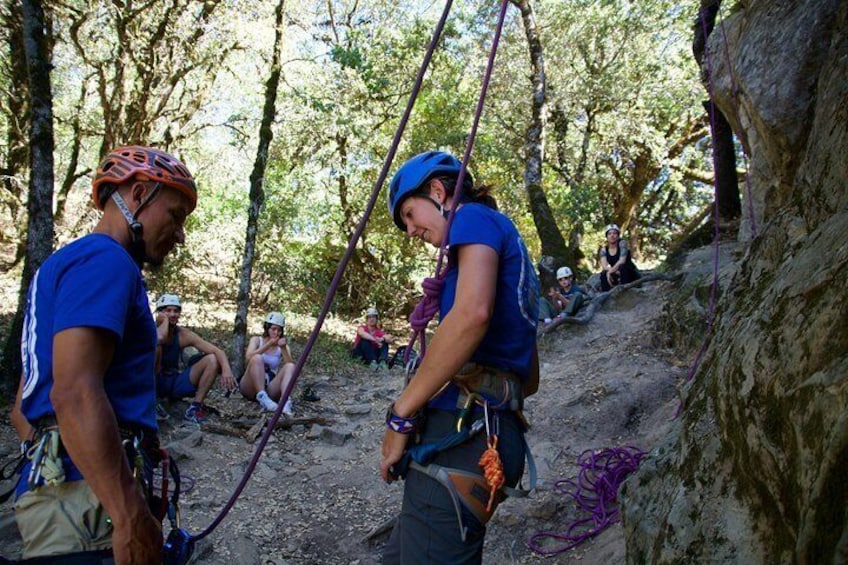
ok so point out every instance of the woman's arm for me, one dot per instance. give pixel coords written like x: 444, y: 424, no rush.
x: 253, y: 348
x: 362, y: 331
x: 461, y: 331
x: 455, y: 340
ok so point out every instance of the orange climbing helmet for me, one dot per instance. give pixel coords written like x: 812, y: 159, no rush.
x: 143, y: 163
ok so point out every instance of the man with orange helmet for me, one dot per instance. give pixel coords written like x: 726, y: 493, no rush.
x: 87, y: 389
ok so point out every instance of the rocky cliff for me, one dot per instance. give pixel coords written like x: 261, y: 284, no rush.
x: 753, y: 470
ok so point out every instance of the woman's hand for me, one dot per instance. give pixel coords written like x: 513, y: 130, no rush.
x: 393, y: 446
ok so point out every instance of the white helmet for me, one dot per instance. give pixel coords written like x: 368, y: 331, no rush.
x: 276, y: 318
x: 168, y: 300
x: 563, y: 272
x: 371, y: 312
x: 612, y: 227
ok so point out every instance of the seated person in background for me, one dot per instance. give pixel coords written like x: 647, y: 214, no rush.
x: 568, y: 295
x: 270, y: 365
x: 195, y: 380
x: 617, y: 265
x: 550, y: 306
x: 371, y: 343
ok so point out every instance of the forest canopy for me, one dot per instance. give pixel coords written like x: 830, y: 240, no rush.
x: 625, y: 135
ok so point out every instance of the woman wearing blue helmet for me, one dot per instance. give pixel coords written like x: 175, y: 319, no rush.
x: 479, y: 366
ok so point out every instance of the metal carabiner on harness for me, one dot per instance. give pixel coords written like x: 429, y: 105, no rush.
x: 463, y: 412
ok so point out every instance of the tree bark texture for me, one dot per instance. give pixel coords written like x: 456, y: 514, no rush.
x: 724, y: 150
x: 17, y: 113
x: 257, y: 195
x: 553, y: 243
x: 36, y: 34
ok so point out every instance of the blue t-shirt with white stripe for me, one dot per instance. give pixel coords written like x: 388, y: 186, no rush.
x: 92, y: 282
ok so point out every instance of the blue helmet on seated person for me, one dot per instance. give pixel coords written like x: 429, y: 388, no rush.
x: 413, y: 175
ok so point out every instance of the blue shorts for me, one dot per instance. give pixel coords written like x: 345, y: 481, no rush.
x: 176, y: 385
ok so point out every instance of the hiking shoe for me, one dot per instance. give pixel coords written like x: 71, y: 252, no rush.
x: 194, y: 414
x: 287, y: 409
x: 161, y: 413
x: 309, y: 395
x: 265, y: 401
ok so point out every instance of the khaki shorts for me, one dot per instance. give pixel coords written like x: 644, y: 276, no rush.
x: 62, y: 519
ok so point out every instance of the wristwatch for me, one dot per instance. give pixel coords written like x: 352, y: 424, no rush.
x: 400, y: 424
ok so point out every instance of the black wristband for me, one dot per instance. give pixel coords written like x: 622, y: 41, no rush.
x: 400, y: 424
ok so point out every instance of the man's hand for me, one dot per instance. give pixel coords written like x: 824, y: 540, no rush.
x: 393, y: 446
x: 139, y: 541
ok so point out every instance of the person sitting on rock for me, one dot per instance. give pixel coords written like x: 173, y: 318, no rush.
x: 371, y: 344
x: 550, y: 305
x: 616, y: 262
x: 202, y: 371
x: 270, y: 366
x: 568, y: 296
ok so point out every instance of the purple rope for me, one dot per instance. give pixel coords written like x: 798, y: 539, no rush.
x: 594, y: 491
x: 716, y: 236
x: 429, y: 304
x: 328, y: 300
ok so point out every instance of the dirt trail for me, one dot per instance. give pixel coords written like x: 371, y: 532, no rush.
x: 316, y: 495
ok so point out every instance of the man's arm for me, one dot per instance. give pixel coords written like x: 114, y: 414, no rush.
x: 189, y: 338
x: 89, y: 431
x: 19, y: 421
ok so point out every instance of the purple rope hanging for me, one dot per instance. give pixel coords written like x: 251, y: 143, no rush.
x: 594, y: 491
x: 331, y: 291
x: 432, y: 286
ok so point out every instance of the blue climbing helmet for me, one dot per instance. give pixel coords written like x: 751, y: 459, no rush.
x: 414, y: 174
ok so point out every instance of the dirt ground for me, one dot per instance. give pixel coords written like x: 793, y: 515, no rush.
x: 316, y: 496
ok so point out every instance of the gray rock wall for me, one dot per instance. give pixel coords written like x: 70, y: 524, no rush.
x: 753, y: 470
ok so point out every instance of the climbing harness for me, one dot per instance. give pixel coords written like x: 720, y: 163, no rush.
x: 594, y: 492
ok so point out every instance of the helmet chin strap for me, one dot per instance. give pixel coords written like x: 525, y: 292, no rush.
x: 137, y: 251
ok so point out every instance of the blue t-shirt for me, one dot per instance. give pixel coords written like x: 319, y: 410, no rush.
x: 92, y: 282
x: 511, y: 335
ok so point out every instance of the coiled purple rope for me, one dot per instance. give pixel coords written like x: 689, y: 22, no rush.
x: 595, y: 491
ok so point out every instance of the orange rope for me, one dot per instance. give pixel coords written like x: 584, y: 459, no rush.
x: 492, y: 466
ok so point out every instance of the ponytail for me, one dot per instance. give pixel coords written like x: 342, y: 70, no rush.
x: 479, y: 194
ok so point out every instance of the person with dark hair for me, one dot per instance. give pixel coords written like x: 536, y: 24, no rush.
x: 270, y: 365
x: 371, y: 344
x: 480, y: 365
x: 616, y: 263
x: 88, y: 386
x: 197, y: 379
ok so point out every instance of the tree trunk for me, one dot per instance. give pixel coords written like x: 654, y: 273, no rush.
x: 553, y: 243
x: 40, y: 200
x: 724, y: 150
x: 17, y: 104
x: 257, y: 195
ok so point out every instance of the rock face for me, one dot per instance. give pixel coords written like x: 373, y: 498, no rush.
x: 753, y: 470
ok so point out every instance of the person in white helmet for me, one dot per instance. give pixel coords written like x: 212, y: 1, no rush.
x: 568, y: 294
x: 562, y: 300
x: 371, y: 344
x: 616, y: 262
x: 197, y: 379
x: 270, y: 365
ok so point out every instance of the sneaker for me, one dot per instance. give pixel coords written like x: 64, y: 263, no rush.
x: 309, y: 395
x: 195, y: 414
x: 374, y: 366
x: 287, y: 409
x: 161, y: 413
x: 382, y: 366
x: 266, y: 402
